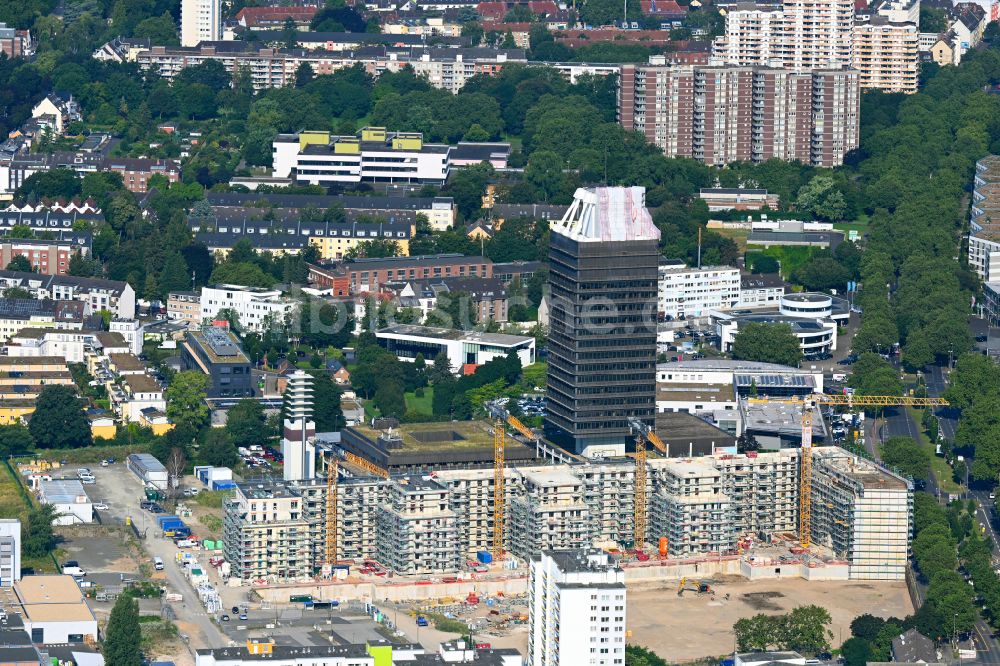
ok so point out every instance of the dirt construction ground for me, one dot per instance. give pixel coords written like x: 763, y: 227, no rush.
x: 701, y: 627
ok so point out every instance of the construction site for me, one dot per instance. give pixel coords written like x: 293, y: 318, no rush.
x: 728, y: 507
x: 438, y: 510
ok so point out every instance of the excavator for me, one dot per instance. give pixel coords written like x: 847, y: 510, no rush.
x: 702, y: 587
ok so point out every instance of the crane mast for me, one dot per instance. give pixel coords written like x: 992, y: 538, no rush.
x: 805, y: 454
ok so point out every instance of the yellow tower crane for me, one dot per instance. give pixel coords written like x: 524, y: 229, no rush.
x: 805, y: 456
x: 501, y: 419
x: 643, y: 434
x: 366, y: 465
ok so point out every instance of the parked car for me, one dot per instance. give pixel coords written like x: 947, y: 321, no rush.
x: 243, y: 616
x: 101, y: 506
x: 225, y: 618
x: 72, y: 568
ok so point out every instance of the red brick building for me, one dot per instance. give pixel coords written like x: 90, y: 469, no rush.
x: 724, y: 114
x: 136, y: 171
x: 368, y: 275
x: 14, y: 43
x: 46, y: 257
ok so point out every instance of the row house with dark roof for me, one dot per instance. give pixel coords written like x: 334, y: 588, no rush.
x: 292, y: 235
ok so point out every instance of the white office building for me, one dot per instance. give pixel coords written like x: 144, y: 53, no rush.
x: 374, y: 155
x: 465, y: 349
x: 816, y: 336
x: 10, y: 551
x: 201, y: 21
x: 255, y: 307
x: 576, y: 610
x: 692, y: 292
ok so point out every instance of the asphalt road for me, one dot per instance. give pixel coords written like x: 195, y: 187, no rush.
x: 937, y: 383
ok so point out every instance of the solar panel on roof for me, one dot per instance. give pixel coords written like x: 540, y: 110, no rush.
x: 220, y: 342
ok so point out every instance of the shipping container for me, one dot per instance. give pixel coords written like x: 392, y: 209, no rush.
x: 484, y: 556
x: 223, y: 484
x: 168, y: 520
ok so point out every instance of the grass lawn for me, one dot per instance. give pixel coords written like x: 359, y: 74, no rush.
x: 12, y: 502
x: 422, y: 404
x: 860, y: 225
x: 790, y: 257
x: 739, y: 237
x: 939, y: 467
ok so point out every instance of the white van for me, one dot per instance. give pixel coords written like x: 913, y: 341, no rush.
x: 158, y: 563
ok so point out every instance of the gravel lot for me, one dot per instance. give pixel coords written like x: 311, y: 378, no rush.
x: 701, y: 627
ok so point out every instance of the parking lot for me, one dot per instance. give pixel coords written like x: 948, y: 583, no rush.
x: 122, y: 492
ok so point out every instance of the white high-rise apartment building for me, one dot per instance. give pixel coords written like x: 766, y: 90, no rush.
x: 802, y: 35
x: 201, y: 21
x: 576, y: 608
x: 798, y: 35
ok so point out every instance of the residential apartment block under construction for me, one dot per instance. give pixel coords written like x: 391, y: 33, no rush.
x: 413, y: 524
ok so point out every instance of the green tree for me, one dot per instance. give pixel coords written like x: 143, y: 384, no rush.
x: 806, y: 629
x: 175, y: 275
x: 877, y: 333
x: 975, y: 375
x: 185, y: 396
x: 768, y: 343
x: 856, y: 651
x: 218, y: 449
x: 907, y: 456
x: 822, y: 273
x: 441, y: 370
x: 389, y: 399
x: 873, y: 375
x: 545, y: 173
x: 326, y: 403
x: 39, y: 538
x: 607, y: 12
x: 759, y: 632
x: 246, y: 423
x: 59, y: 421
x: 866, y: 627
x: 374, y: 249
x: 640, y: 656
x: 123, y: 635
x: 917, y: 353
x: 20, y: 263
x: 15, y: 439
x: 822, y: 198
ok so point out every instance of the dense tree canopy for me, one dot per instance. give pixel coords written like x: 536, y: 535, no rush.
x: 770, y: 343
x: 59, y: 421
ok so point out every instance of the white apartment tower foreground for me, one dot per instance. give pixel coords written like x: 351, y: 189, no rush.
x: 576, y: 608
x: 201, y: 21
